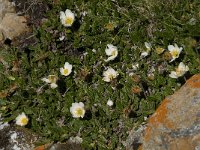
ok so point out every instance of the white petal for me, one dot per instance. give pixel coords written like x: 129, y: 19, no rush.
x: 176, y: 46
x: 186, y: 68
x: 110, y: 48
x: 135, y: 66
x: 144, y: 54
x: 108, y: 51
x: 62, y: 15
x: 181, y: 66
x: 115, y: 73
x: 106, y: 79
x: 111, y: 71
x: 147, y: 45
x: 68, y: 66
x: 116, y: 53
x: 173, y: 75
x: 75, y: 105
x: 83, y: 114
x: 172, y: 59
x: 54, y: 85
x: 72, y: 108
x: 62, y: 38
x: 45, y: 80
x: 76, y: 140
x: 81, y: 104
x: 110, y: 58
x: 62, y: 71
x: 69, y: 13
x: 110, y: 102
x: 106, y: 73
x: 171, y: 47
x: 94, y: 50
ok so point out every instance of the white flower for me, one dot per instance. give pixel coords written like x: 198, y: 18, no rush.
x: 94, y: 50
x: 135, y: 66
x: 76, y: 139
x: 160, y: 50
x: 111, y: 51
x: 77, y: 110
x: 174, y: 51
x: 66, y: 70
x: 22, y: 119
x: 131, y: 74
x: 110, y: 103
x: 109, y: 74
x: 84, y: 13
x: 86, y: 53
x: 145, y: 118
x: 67, y: 18
x: 144, y: 54
x: 180, y: 71
x: 148, y: 46
x: 52, y: 79
x: 62, y: 38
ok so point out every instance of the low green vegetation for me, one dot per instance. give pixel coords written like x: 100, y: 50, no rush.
x: 142, y: 82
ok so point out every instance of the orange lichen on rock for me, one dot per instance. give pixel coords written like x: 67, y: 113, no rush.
x: 160, y: 117
x: 43, y: 147
x: 194, y: 82
x: 140, y: 147
x: 176, y: 116
x: 40, y: 148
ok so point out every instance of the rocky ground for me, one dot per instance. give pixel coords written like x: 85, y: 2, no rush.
x: 174, y: 126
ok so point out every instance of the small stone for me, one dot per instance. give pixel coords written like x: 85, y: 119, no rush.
x: 6, y: 7
x: 13, y: 25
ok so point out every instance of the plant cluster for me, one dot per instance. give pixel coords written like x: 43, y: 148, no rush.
x: 99, y: 68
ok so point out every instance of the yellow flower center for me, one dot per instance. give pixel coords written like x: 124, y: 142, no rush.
x: 110, y: 76
x: 113, y: 53
x: 110, y: 26
x: 24, y: 121
x: 179, y: 72
x: 79, y: 112
x: 52, y: 78
x: 65, y: 71
x: 69, y: 20
x: 159, y: 50
x: 175, y: 53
